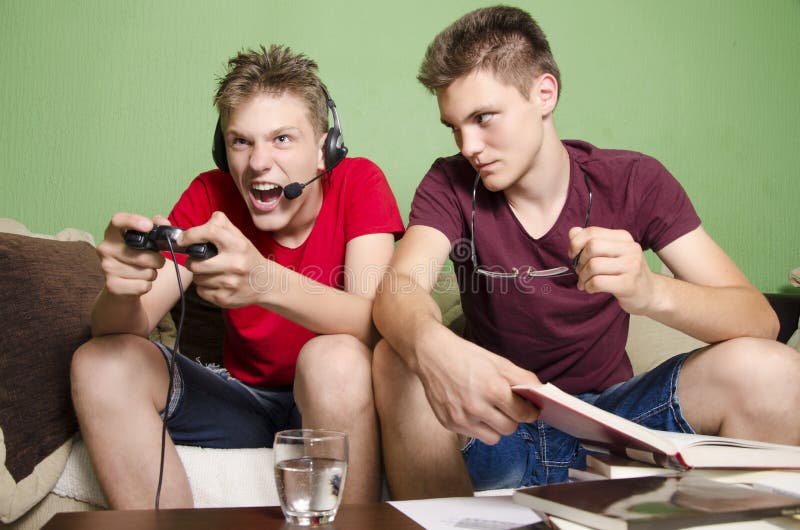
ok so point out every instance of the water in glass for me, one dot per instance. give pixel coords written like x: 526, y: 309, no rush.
x: 310, y: 472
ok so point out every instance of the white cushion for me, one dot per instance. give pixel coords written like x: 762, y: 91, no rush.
x: 217, y: 477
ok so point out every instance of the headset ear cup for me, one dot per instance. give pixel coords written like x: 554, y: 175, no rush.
x: 218, y: 149
x: 334, y: 149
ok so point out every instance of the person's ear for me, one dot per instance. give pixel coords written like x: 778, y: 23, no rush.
x: 321, y: 153
x: 545, y: 90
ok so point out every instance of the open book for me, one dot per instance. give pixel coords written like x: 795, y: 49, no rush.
x: 596, y: 427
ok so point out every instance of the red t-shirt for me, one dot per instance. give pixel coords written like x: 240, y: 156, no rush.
x: 261, y: 347
x: 573, y: 339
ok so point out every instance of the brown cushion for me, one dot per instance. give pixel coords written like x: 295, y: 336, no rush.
x: 48, y: 288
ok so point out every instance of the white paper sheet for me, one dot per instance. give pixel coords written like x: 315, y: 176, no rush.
x: 467, y: 513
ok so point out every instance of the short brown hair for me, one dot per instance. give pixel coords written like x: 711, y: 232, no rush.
x: 503, y: 40
x: 274, y: 71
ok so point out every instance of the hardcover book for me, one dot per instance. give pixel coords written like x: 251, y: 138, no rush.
x: 613, y: 466
x: 599, y: 428
x: 773, y: 523
x: 657, y: 502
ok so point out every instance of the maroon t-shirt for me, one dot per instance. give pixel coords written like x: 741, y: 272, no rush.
x: 573, y: 339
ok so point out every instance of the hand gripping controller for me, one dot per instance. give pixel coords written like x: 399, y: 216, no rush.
x: 156, y: 239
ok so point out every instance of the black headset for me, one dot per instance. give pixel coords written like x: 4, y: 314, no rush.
x: 334, y: 148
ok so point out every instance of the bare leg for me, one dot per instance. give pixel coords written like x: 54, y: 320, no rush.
x: 119, y: 385
x: 422, y: 458
x: 743, y: 388
x: 333, y: 390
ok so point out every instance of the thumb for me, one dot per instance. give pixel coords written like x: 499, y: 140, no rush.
x: 515, y: 375
x: 574, y: 231
x: 521, y: 376
x: 161, y: 220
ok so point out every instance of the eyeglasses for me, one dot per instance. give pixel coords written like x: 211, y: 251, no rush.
x: 515, y: 272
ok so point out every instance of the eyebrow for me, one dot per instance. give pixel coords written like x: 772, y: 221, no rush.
x: 476, y: 112
x: 277, y: 131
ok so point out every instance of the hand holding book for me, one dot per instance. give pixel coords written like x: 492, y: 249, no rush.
x: 468, y: 389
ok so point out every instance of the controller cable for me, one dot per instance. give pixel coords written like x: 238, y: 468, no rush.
x: 171, y: 370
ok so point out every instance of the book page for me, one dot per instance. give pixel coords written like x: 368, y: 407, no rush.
x: 683, y: 439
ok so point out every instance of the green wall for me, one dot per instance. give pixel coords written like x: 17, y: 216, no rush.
x: 106, y: 104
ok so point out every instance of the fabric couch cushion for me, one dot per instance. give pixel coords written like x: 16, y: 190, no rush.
x: 447, y: 296
x: 48, y: 287
x: 217, y: 477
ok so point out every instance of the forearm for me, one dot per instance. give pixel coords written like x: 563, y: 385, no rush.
x: 119, y: 314
x: 467, y: 387
x: 408, y: 318
x: 320, y: 308
x: 712, y: 314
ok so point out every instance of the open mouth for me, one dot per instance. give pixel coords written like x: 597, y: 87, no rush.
x: 265, y: 195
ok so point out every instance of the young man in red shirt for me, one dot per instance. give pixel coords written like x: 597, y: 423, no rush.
x: 295, y: 277
x: 547, y: 238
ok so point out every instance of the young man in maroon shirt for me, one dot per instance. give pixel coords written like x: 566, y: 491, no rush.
x: 547, y: 240
x: 295, y: 276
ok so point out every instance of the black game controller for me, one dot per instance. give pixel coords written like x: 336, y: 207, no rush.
x: 157, y: 238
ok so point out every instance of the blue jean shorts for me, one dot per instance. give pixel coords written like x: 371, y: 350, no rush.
x: 539, y: 454
x: 209, y: 408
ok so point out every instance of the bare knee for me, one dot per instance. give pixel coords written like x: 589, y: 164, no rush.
x: 744, y: 381
x: 334, y: 370
x: 331, y: 358
x: 111, y: 367
x: 99, y: 361
x: 769, y: 370
x: 743, y: 364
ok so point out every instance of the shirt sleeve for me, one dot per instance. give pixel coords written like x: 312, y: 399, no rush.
x: 664, y: 211
x: 370, y: 196
x: 436, y: 203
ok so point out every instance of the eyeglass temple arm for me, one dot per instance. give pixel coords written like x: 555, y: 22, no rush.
x: 586, y: 221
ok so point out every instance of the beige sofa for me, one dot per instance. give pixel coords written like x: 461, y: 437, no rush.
x: 49, y: 284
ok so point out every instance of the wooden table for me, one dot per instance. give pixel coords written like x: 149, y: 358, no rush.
x: 350, y: 516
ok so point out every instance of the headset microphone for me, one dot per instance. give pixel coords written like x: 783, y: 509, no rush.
x: 295, y: 189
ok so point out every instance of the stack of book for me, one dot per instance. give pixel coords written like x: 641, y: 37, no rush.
x: 642, y: 478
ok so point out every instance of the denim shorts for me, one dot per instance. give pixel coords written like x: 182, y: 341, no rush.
x: 539, y: 454
x: 209, y: 408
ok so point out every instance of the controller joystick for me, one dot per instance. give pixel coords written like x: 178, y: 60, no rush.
x: 157, y: 238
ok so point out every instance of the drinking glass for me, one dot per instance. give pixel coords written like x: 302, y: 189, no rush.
x: 310, y: 471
